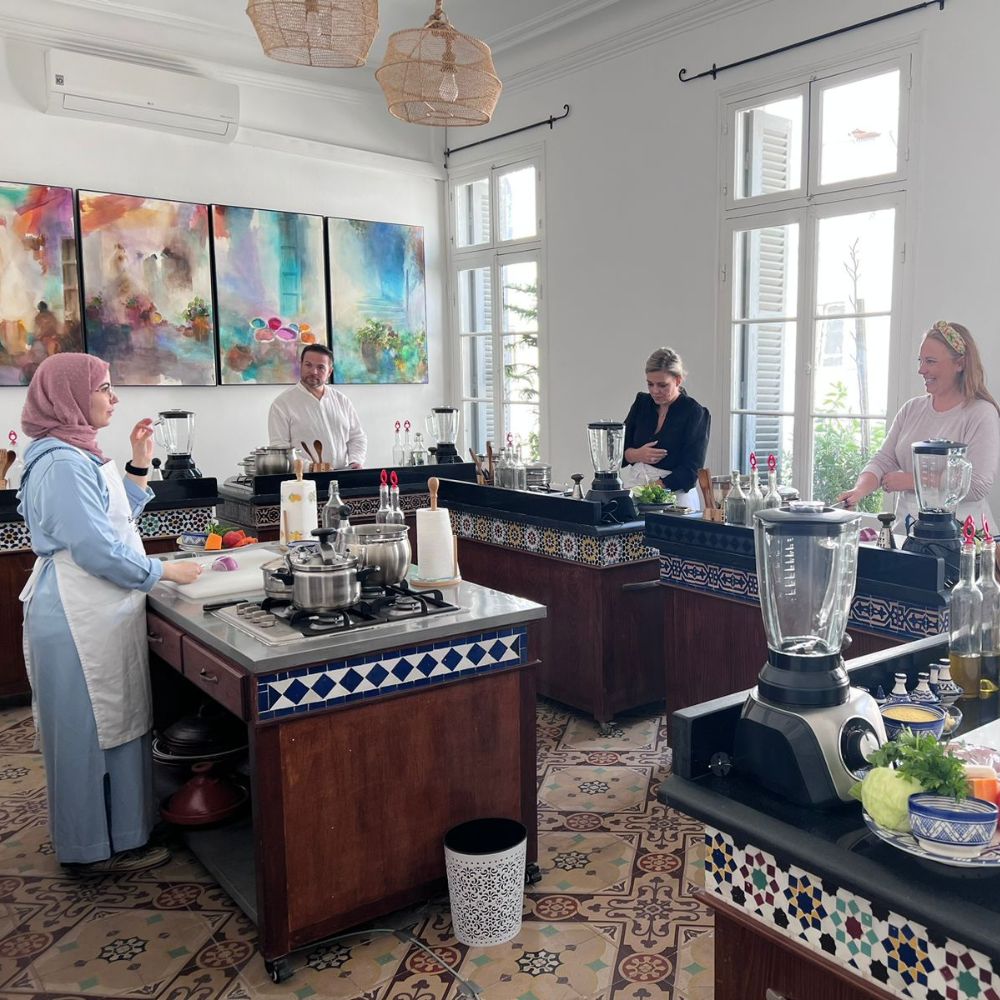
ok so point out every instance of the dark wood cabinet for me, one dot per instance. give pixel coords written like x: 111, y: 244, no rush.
x: 714, y: 646
x: 602, y: 640
x: 754, y: 962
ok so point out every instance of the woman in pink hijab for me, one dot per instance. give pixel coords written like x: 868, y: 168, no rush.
x: 84, y: 617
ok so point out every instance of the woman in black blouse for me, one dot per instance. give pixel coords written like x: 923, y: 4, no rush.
x: 666, y: 431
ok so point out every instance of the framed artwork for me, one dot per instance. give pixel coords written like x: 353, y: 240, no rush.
x: 378, y: 302
x: 147, y: 289
x: 39, y: 278
x: 270, y: 277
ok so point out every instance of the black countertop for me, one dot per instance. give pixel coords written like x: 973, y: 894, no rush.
x: 958, y: 903
x: 170, y: 494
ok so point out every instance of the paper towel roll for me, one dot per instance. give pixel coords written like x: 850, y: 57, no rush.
x: 298, y: 510
x: 435, y: 545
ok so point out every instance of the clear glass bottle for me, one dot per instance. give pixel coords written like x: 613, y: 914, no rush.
x: 990, y: 589
x: 331, y: 509
x: 519, y: 472
x: 772, y: 498
x: 397, y: 448
x: 755, y: 498
x: 965, y: 635
x: 407, y: 444
x: 419, y: 454
x: 503, y: 469
x: 382, y: 514
x: 395, y: 514
x: 736, y: 502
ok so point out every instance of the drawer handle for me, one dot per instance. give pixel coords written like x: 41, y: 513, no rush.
x: 207, y: 675
x: 153, y: 638
x: 770, y: 994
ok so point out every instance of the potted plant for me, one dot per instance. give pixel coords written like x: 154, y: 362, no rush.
x: 373, y: 338
x: 199, y: 317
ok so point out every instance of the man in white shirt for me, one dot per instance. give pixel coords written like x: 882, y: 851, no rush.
x: 313, y: 410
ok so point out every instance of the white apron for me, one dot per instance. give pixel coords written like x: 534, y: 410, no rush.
x: 108, y: 625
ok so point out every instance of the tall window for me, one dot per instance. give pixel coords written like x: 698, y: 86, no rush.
x: 496, y: 285
x: 815, y: 186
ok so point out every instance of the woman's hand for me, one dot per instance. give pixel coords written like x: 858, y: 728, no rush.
x: 648, y: 453
x: 181, y: 571
x: 897, y: 482
x: 141, y: 440
x: 851, y: 498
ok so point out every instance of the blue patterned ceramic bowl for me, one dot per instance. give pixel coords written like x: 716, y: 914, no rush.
x: 901, y: 715
x: 960, y: 828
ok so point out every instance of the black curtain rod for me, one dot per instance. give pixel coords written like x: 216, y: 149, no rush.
x: 550, y: 121
x: 716, y: 70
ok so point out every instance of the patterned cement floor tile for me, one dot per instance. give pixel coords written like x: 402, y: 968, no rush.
x: 614, y: 917
x: 120, y: 953
x: 585, y: 862
x: 628, y: 734
x: 595, y: 789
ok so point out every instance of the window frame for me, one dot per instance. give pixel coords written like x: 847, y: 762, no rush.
x: 807, y: 206
x: 494, y: 254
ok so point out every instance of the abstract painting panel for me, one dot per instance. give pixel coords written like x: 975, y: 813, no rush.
x: 147, y: 288
x: 271, y: 283
x: 378, y: 302
x: 39, y: 284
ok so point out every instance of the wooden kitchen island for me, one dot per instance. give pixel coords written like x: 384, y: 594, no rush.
x: 365, y: 748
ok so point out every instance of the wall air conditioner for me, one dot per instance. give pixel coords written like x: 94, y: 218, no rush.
x: 85, y: 86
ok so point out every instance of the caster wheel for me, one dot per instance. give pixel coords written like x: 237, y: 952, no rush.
x: 279, y: 969
x: 533, y: 874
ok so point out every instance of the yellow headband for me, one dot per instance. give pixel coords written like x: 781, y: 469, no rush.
x: 950, y: 334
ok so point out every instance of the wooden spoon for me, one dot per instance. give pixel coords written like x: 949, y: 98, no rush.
x: 318, y: 445
x: 309, y: 454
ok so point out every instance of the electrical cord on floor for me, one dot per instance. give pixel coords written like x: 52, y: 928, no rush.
x: 465, y: 988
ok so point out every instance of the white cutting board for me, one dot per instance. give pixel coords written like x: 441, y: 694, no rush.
x: 214, y: 583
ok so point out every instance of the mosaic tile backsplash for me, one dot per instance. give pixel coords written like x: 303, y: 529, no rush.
x: 897, y: 953
x: 873, y: 614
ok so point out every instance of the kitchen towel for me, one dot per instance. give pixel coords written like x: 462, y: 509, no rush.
x: 436, y: 545
x: 298, y: 510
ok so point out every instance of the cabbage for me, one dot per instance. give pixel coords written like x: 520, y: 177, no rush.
x: 885, y: 794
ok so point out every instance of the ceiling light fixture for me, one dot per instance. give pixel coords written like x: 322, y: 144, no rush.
x: 435, y: 75
x: 332, y: 34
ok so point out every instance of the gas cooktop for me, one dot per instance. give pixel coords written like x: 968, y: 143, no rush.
x: 275, y: 622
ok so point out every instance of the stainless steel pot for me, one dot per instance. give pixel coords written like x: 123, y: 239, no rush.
x: 273, y: 461
x: 278, y: 579
x: 385, y: 547
x: 322, y: 580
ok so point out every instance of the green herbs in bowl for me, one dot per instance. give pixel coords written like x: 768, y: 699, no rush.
x: 654, y: 495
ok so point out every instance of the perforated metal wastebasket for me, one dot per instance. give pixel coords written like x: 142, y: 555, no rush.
x: 485, y: 860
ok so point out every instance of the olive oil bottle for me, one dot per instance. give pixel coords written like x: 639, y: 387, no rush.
x: 991, y: 612
x: 966, y: 614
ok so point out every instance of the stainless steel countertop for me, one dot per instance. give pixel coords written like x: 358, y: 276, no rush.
x: 481, y: 609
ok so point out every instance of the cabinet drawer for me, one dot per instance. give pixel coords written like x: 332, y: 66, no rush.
x: 164, y: 640
x: 220, y: 681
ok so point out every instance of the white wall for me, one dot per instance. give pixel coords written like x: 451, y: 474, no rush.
x: 232, y: 420
x: 632, y: 196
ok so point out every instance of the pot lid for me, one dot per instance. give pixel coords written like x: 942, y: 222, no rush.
x: 208, y: 730
x: 311, y: 559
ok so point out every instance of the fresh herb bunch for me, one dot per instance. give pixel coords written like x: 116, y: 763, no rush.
x: 653, y: 493
x: 923, y: 759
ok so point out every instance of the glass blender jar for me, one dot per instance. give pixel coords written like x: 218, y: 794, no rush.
x: 442, y: 427
x: 941, y: 478
x: 607, y: 448
x: 174, y: 432
x: 804, y: 732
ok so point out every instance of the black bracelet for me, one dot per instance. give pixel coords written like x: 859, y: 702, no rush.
x: 134, y: 470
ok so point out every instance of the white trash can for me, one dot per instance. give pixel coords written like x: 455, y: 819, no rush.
x: 485, y: 860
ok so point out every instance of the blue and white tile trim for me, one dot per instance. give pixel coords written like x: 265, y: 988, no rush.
x: 306, y: 689
x: 900, y: 955
x: 896, y: 619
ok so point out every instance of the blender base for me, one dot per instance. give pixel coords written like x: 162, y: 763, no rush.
x: 180, y: 467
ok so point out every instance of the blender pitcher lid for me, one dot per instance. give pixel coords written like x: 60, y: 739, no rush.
x: 807, y: 515
x: 174, y: 414
x: 600, y: 425
x: 939, y: 447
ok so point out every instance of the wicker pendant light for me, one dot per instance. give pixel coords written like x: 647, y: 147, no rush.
x: 332, y: 34
x: 435, y: 75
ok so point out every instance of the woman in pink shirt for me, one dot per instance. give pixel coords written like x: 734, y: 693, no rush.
x: 957, y: 407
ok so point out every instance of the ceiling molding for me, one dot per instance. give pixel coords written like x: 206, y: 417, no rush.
x: 700, y: 14
x: 345, y: 155
x: 98, y: 44
x: 544, y: 23
x: 119, y: 8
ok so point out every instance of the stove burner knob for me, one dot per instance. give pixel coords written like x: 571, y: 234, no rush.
x: 261, y: 616
x: 247, y: 609
x: 858, y: 740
